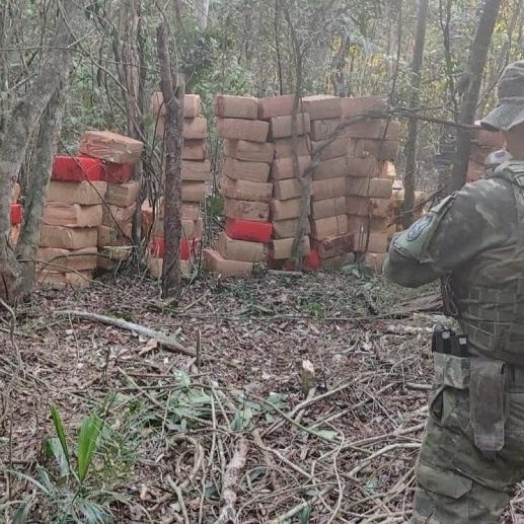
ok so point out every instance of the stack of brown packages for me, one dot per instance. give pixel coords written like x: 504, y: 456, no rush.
x: 118, y: 155
x: 196, y: 173
x: 68, y: 236
x: 286, y: 203
x: 244, y: 186
x: 331, y: 239
x: 76, y: 208
x: 373, y: 145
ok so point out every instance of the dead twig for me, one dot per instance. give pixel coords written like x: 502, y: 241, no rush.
x: 180, y: 497
x: 297, y: 509
x: 166, y: 341
x: 230, y: 482
x: 359, y: 467
x: 269, y: 459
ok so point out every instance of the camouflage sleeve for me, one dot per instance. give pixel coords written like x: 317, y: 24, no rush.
x: 452, y: 233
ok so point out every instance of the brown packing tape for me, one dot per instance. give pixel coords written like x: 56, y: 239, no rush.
x: 380, y: 149
x: 192, y: 105
x: 333, y: 168
x: 67, y: 238
x: 326, y: 129
x: 242, y: 250
x: 372, y: 242
x: 236, y: 129
x: 241, y: 209
x: 193, y: 191
x: 287, y: 189
x: 231, y: 106
x: 284, y: 168
x: 328, y: 208
x: 281, y: 126
x: 108, y: 236
x: 328, y: 149
x: 246, y: 190
x: 118, y: 216
x: 72, y: 215
x: 111, y: 147
x: 250, y: 171
x: 322, y: 106
x: 324, y: 189
x: 249, y: 151
x: 196, y: 171
x: 284, y: 210
x: 364, y: 167
x: 194, y: 150
x: 190, y: 228
x: 358, y: 206
x: 282, y: 249
x: 65, y: 260
x: 284, y: 147
x: 122, y: 195
x: 83, y: 193
x: 327, y: 227
x: 288, y: 228
x: 335, y: 245
x: 155, y: 267
x: 274, y: 106
x: 356, y: 106
x: 215, y: 263
x: 54, y: 279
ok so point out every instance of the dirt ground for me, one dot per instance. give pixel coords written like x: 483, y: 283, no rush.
x: 239, y: 433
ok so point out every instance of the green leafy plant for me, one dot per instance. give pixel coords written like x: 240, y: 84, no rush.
x: 64, y: 493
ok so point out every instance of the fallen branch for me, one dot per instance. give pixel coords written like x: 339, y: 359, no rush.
x: 297, y: 509
x: 299, y: 408
x: 359, y: 467
x: 180, y: 496
x: 269, y: 459
x: 230, y: 482
x: 169, y: 343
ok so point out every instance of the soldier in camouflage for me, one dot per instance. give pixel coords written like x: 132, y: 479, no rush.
x: 472, y: 455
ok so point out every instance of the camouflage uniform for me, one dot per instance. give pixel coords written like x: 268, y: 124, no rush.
x: 472, y: 454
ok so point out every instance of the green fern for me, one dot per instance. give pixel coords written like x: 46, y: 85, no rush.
x: 87, y: 443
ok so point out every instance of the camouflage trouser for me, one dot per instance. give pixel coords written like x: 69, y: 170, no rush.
x: 456, y: 483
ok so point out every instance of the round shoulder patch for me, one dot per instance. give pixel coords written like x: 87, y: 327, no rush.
x: 418, y: 227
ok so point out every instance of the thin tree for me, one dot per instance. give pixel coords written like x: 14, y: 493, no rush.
x: 38, y: 180
x: 173, y: 96
x: 475, y: 70
x: 411, y: 144
x: 22, y: 124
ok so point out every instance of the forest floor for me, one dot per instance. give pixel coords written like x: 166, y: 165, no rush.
x: 178, y: 430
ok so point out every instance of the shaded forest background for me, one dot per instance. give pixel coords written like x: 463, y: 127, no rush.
x: 92, y: 64
x: 159, y: 430
x: 251, y: 47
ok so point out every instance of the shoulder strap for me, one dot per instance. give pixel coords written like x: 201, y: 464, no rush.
x: 512, y: 171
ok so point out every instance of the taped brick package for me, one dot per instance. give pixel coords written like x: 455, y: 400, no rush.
x: 196, y: 175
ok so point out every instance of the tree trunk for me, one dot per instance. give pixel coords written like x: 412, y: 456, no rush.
x: 202, y: 14
x: 411, y: 144
x: 476, y: 65
x: 39, y: 175
x: 22, y: 123
x: 174, y: 142
x: 130, y: 63
x: 338, y: 66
